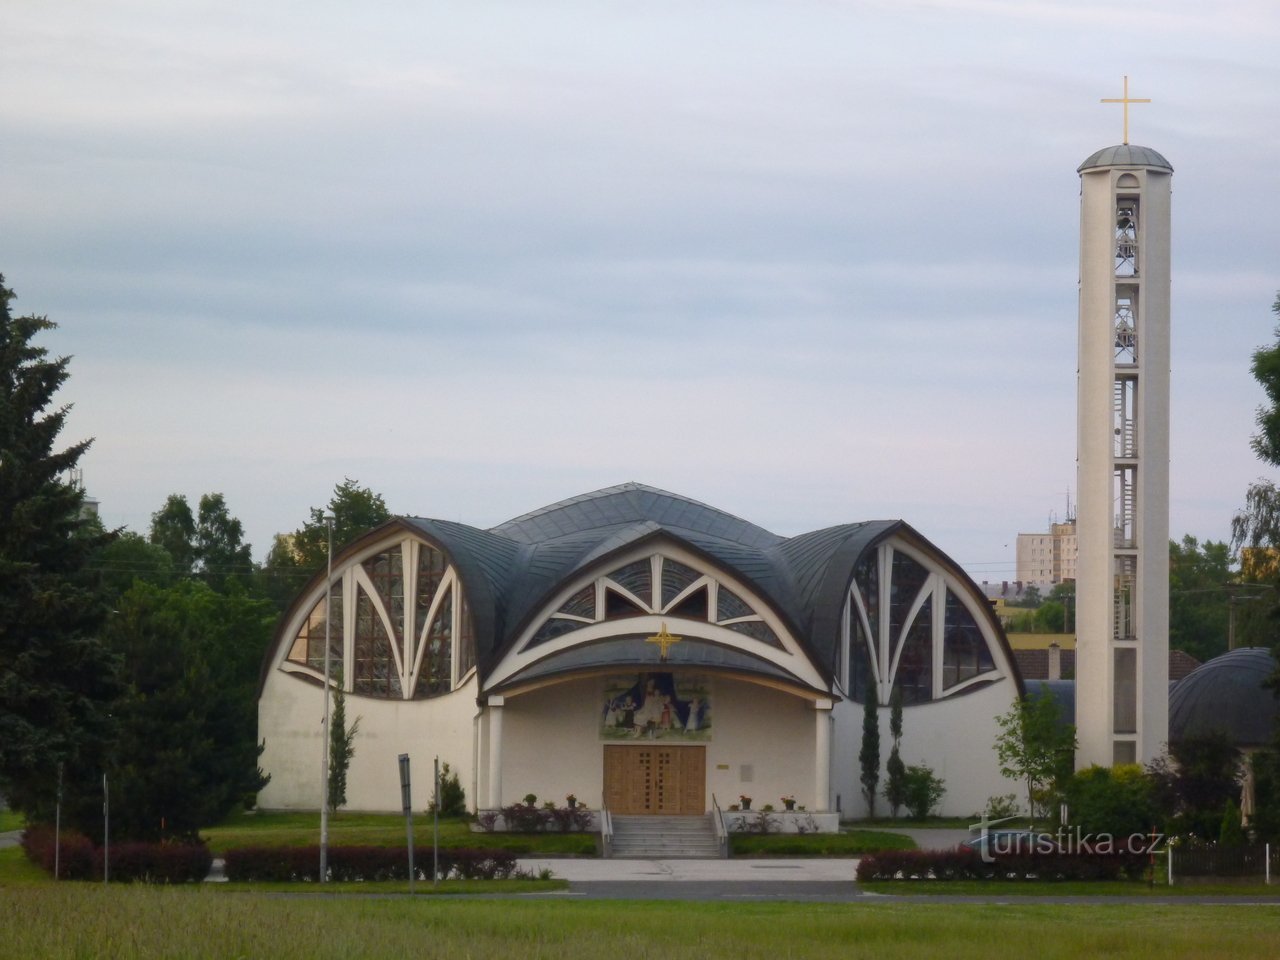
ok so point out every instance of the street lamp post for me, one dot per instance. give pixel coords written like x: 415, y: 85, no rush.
x: 324, y: 746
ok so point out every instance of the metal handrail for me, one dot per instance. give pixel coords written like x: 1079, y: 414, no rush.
x: 722, y: 834
x: 606, y: 831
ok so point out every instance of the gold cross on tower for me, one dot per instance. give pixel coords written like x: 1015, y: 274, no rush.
x: 663, y: 640
x: 1126, y: 100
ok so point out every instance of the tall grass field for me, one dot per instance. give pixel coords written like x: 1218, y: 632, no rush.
x: 85, y: 920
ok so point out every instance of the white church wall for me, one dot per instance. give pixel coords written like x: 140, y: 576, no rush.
x: 290, y: 717
x: 762, y: 744
x: 955, y: 737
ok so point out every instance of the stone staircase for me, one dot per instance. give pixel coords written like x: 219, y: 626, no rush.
x: 665, y: 838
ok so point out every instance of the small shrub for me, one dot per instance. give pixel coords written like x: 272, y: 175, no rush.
x: 763, y: 821
x: 1232, y: 833
x: 524, y: 817
x: 1002, y: 807
x: 922, y: 791
x: 453, y: 798
x: 488, y: 819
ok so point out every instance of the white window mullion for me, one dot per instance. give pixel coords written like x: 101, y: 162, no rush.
x: 423, y: 638
x: 348, y: 627
x: 409, y: 572
x: 939, y: 631
x: 855, y: 596
x: 884, y: 564
x: 364, y: 582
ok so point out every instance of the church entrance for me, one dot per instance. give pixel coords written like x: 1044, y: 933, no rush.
x: 655, y: 778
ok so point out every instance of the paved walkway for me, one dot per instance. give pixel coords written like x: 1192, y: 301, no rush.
x: 773, y: 869
x: 10, y: 839
x: 934, y: 838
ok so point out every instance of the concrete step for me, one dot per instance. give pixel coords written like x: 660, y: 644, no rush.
x: 664, y: 837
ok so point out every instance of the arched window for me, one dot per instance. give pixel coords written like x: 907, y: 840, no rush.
x: 930, y: 645
x: 408, y: 634
x: 656, y: 584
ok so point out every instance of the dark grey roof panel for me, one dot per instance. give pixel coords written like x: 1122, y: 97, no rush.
x: 1064, y: 696
x: 1227, y: 695
x: 634, y: 653
x: 486, y: 564
x: 1126, y: 155
x: 822, y: 563
x: 628, y: 503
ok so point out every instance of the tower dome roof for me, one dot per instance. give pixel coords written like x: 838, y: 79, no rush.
x: 1227, y: 695
x: 1126, y: 155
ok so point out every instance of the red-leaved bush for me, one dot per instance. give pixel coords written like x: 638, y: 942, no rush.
x: 79, y: 859
x: 366, y: 864
x: 962, y: 864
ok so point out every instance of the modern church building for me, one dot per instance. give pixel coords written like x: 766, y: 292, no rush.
x: 638, y: 649
x: 643, y: 651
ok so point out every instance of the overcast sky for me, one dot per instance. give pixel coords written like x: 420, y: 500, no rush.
x: 809, y: 262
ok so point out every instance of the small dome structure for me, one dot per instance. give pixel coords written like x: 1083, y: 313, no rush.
x: 1126, y: 155
x: 1227, y: 695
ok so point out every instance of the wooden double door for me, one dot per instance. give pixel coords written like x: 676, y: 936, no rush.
x: 655, y: 778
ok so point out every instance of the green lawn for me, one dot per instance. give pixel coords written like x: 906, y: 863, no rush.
x: 85, y: 920
x: 849, y: 843
x: 380, y: 829
x: 11, y: 820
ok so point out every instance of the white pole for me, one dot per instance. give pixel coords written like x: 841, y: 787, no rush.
x: 1168, y: 847
x: 324, y: 746
x: 57, y: 828
x: 106, y: 831
x: 1266, y: 851
x: 435, y: 839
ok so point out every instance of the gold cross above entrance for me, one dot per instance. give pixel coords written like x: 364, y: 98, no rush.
x: 663, y: 640
x: 1126, y: 100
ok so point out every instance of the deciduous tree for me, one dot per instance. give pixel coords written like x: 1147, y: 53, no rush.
x: 296, y: 556
x: 1034, y: 745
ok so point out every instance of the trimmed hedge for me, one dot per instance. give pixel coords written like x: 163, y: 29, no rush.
x: 964, y: 864
x: 349, y: 864
x: 79, y: 859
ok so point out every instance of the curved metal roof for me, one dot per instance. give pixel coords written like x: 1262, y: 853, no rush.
x: 1227, y: 695
x: 515, y: 569
x: 1126, y: 155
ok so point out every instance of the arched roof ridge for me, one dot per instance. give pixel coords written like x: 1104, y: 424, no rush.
x: 821, y: 563
x: 752, y: 566
x: 487, y: 563
x: 628, y: 503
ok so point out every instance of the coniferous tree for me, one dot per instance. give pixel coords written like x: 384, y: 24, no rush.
x: 56, y: 677
x: 869, y: 755
x: 342, y: 747
x: 895, y: 789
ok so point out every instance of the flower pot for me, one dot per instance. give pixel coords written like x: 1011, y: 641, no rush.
x: 789, y: 804
x: 746, y: 804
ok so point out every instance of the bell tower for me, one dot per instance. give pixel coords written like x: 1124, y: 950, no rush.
x: 1122, y: 455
